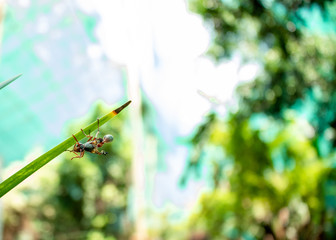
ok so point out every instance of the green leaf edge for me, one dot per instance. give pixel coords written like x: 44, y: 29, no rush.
x: 5, y: 83
x: 39, y: 162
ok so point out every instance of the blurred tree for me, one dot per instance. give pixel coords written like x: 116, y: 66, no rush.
x: 83, y: 198
x: 273, y: 159
x: 298, y: 64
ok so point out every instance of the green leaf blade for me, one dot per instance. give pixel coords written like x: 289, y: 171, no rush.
x: 5, y: 83
x: 39, y: 162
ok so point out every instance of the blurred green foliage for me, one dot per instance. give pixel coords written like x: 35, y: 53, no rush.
x: 275, y: 177
x: 268, y: 184
x: 83, y: 198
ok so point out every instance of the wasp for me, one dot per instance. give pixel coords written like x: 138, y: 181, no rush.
x: 92, y: 144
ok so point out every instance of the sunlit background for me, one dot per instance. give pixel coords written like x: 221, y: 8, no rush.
x: 230, y: 133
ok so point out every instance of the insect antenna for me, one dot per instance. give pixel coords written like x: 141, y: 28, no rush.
x: 75, y: 138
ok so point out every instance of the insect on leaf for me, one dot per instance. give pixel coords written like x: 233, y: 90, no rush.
x: 39, y: 162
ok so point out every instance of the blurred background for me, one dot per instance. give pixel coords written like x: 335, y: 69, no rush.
x: 230, y: 134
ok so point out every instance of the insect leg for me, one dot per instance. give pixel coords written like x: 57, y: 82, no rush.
x: 96, y: 151
x: 71, y: 151
x: 80, y: 156
x: 88, y: 136
x: 98, y: 128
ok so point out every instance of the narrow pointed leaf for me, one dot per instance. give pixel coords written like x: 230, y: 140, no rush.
x: 5, y: 83
x: 39, y: 162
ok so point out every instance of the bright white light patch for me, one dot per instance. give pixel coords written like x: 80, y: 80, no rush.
x: 161, y: 43
x: 24, y: 3
x: 94, y: 51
